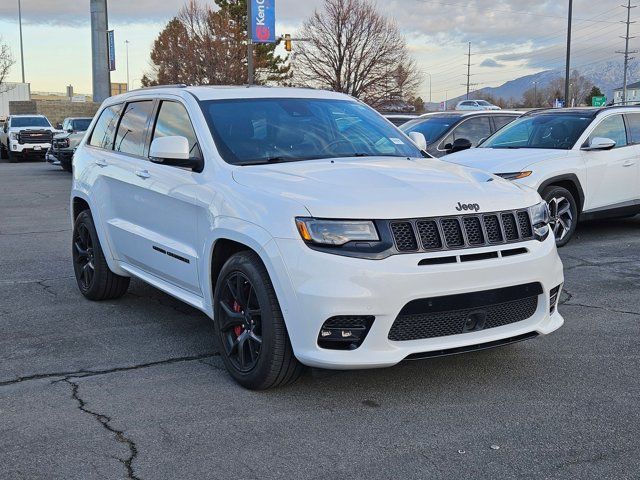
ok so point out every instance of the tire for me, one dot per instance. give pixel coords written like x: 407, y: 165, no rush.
x: 242, y: 289
x: 13, y: 158
x: 3, y: 152
x: 66, y: 166
x: 95, y: 280
x: 564, y: 213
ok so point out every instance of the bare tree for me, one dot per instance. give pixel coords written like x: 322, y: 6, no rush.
x: 6, y: 62
x: 353, y: 49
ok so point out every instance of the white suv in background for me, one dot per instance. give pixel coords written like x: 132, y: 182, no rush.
x: 476, y: 105
x: 24, y: 135
x: 308, y: 228
x: 585, y: 162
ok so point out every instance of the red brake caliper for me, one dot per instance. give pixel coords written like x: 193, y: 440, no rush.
x: 238, y: 328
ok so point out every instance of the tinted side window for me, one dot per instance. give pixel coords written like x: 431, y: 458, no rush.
x: 474, y: 130
x: 502, y: 121
x: 613, y: 128
x: 131, y: 132
x: 173, y: 120
x: 633, y: 124
x: 105, y: 128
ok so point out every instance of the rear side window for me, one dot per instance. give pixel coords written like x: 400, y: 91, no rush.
x: 133, y: 126
x: 612, y: 128
x: 105, y: 129
x: 633, y: 124
x: 501, y: 121
x: 173, y: 120
x: 474, y: 130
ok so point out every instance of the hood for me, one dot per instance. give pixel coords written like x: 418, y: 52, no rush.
x: 384, y: 188
x: 503, y: 160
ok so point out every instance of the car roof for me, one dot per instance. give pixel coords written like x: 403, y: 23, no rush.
x: 223, y: 92
x: 79, y: 118
x: 470, y: 113
x: 30, y: 115
x: 584, y: 111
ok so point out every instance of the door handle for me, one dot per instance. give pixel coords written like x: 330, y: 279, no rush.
x: 101, y: 163
x: 143, y: 173
x: 629, y: 163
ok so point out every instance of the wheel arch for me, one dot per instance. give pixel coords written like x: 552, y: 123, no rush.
x: 569, y: 181
x: 234, y: 235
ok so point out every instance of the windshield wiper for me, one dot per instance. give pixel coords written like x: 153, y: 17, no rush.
x: 269, y: 160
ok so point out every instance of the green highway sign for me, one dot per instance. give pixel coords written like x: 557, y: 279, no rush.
x: 598, y: 101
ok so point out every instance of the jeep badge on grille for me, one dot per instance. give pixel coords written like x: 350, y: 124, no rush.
x: 467, y: 206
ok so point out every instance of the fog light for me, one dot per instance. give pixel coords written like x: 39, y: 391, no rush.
x: 344, y: 332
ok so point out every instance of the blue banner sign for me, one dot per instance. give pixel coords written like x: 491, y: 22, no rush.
x: 263, y: 21
x: 111, y: 41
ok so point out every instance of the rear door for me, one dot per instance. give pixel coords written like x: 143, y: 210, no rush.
x: 612, y: 175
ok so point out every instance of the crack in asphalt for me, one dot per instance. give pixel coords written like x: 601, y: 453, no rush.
x: 568, y: 301
x: 27, y: 282
x: 105, y: 421
x: 47, y: 288
x: 33, y: 233
x: 93, y: 373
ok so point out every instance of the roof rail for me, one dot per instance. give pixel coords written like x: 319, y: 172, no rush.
x: 153, y: 87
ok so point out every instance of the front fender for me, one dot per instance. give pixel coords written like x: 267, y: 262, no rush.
x: 259, y: 240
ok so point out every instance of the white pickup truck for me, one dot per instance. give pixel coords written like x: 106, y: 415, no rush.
x: 25, y: 135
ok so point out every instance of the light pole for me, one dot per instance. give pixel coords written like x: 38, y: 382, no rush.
x: 566, y: 80
x: 126, y: 43
x: 429, y: 87
x: 21, y: 47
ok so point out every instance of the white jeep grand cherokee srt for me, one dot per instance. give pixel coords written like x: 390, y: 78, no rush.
x: 308, y: 228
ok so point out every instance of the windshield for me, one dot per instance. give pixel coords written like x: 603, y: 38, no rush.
x: 551, y: 131
x: 21, y: 122
x: 270, y: 130
x: 81, y: 124
x: 432, y: 127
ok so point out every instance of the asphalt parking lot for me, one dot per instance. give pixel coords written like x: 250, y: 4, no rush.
x: 134, y: 388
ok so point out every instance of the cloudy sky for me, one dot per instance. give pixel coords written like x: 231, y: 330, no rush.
x: 510, y: 38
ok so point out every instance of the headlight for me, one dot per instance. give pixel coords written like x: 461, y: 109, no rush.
x: 336, y: 232
x: 540, y: 218
x: 13, y: 135
x: 62, y: 143
x: 515, y: 175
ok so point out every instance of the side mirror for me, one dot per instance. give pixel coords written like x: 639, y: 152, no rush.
x: 172, y: 151
x: 418, y: 139
x: 599, y: 143
x: 69, y: 130
x: 460, y: 144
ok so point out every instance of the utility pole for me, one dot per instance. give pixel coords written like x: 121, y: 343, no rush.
x: 99, y: 51
x: 21, y: 47
x: 126, y: 42
x: 626, y: 51
x: 469, y: 71
x: 250, y: 73
x: 568, y: 68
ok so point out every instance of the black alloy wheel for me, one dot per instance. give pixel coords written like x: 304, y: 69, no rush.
x: 83, y: 257
x: 240, y: 324
x: 249, y: 327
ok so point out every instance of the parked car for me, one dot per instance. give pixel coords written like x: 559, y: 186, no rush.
x: 449, y: 132
x: 584, y: 162
x: 308, y: 228
x: 476, y: 105
x: 64, y: 144
x: 25, y: 135
x: 399, y: 118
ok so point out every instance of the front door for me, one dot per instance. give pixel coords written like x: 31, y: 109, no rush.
x: 612, y: 175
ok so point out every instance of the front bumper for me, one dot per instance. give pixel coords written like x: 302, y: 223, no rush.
x: 30, y: 148
x: 319, y: 286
